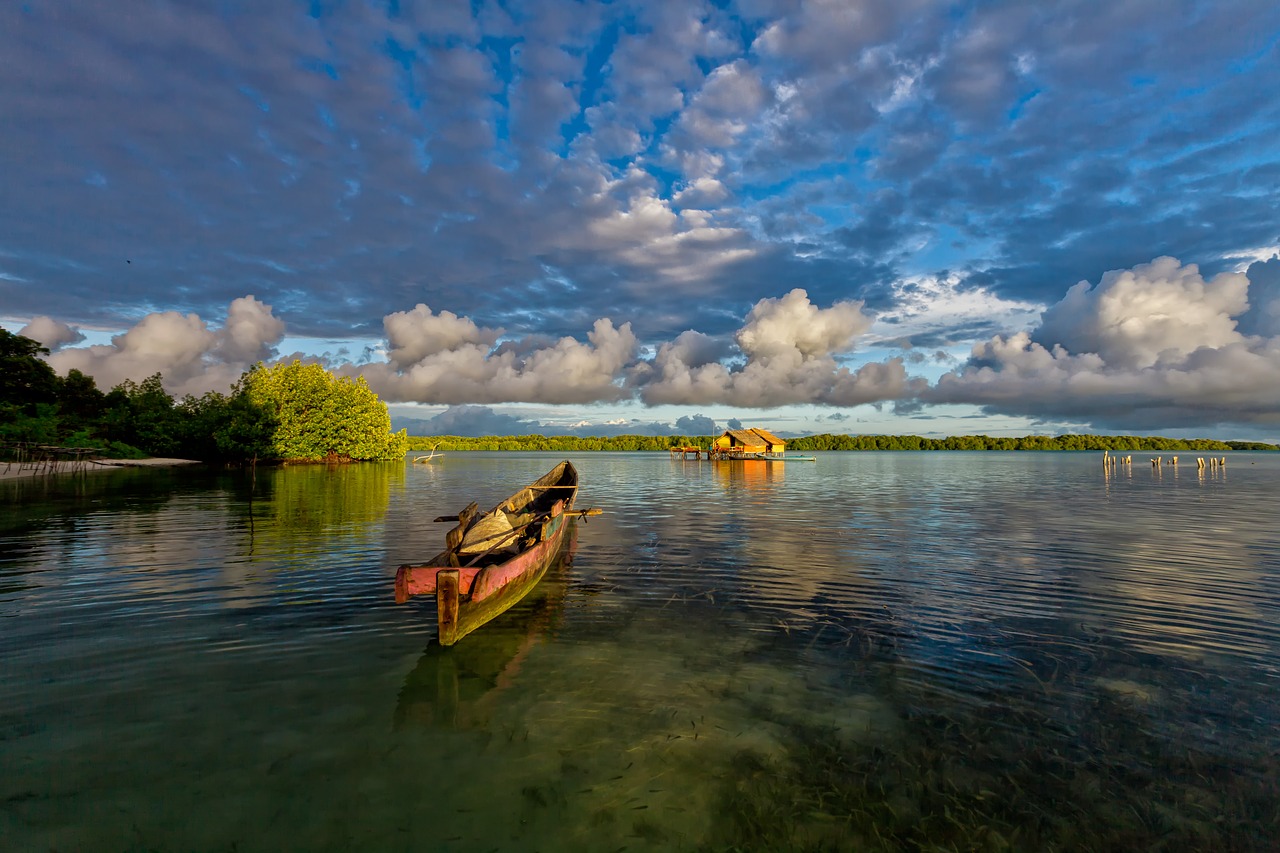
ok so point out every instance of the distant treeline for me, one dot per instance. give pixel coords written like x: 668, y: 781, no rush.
x: 826, y: 441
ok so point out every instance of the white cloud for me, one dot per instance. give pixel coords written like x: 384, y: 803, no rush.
x: 828, y: 31
x: 415, y: 335
x: 701, y: 192
x: 567, y: 371
x: 169, y: 343
x: 732, y: 96
x: 789, y: 345
x: 50, y: 332
x: 1263, y: 316
x: 777, y: 326
x: 1161, y: 311
x: 644, y: 233
x: 933, y: 305
x: 191, y: 357
x: 646, y: 218
x: 1152, y: 347
x: 250, y: 333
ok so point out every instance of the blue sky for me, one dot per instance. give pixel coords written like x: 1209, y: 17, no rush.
x: 899, y: 216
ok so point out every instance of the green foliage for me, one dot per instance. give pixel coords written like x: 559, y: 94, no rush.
x: 245, y: 430
x: 26, y: 380
x: 320, y: 416
x: 143, y: 415
x: 80, y: 403
x: 284, y: 412
x: 215, y: 427
x: 37, y: 424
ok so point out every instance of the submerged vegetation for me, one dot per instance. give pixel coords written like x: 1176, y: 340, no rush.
x: 1007, y: 777
x: 573, y: 443
x: 291, y: 412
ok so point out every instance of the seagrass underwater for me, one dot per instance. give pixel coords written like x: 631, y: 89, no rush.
x: 877, y: 651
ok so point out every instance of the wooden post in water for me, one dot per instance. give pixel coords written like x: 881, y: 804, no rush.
x: 447, y: 605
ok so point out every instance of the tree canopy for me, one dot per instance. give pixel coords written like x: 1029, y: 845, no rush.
x: 320, y: 416
x: 26, y: 380
x: 288, y: 411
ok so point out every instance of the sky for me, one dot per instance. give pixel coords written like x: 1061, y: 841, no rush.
x: 557, y: 217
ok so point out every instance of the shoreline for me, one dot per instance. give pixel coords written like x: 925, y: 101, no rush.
x: 17, y: 470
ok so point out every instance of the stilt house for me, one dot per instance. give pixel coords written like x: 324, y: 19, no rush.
x: 748, y: 441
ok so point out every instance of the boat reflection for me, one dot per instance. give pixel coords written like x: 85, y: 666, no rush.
x: 457, y: 687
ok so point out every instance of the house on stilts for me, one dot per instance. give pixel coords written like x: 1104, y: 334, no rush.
x: 754, y: 443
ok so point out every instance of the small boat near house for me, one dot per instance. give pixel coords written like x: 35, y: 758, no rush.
x: 493, y: 559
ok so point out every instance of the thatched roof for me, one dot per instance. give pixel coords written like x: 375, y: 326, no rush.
x: 769, y: 437
x: 744, y: 436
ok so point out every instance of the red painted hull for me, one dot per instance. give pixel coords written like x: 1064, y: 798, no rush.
x: 491, y: 586
x: 479, y: 582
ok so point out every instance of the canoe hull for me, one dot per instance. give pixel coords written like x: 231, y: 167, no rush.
x: 469, y: 596
x: 498, y: 588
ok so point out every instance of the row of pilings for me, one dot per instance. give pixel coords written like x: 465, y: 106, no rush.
x: 1112, y: 462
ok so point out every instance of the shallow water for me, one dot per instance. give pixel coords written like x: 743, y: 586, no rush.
x: 874, y: 651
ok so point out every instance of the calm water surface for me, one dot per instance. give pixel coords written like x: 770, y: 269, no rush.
x: 876, y: 651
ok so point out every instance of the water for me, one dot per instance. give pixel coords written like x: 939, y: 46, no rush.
x: 875, y: 651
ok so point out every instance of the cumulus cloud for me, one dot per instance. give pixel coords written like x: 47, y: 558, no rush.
x: 50, y: 332
x: 191, y: 357
x: 469, y: 370
x: 415, y: 335
x: 1150, y: 347
x: 250, y: 333
x: 789, y: 346
x: 1154, y: 346
x: 785, y: 352
x: 696, y: 425
x: 1156, y: 312
x: 778, y: 326
x: 1263, y: 316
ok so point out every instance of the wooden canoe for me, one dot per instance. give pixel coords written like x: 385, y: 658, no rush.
x: 461, y: 686
x: 493, y: 559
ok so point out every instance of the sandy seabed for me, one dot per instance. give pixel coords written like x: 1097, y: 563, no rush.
x: 14, y: 470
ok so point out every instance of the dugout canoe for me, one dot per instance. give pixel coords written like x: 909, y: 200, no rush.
x: 493, y: 559
x: 461, y: 687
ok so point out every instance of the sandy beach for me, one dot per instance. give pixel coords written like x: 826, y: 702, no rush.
x: 14, y: 470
